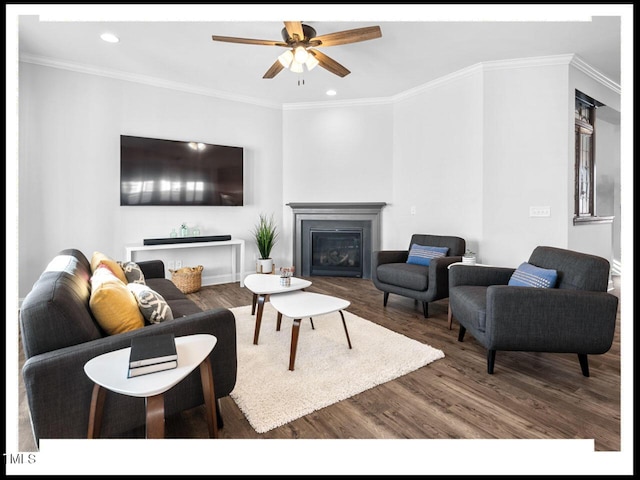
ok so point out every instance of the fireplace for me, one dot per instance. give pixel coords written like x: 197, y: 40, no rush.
x: 336, y: 253
x: 335, y: 239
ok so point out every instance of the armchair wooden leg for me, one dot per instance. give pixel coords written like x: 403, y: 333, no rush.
x: 584, y: 364
x: 461, y: 333
x: 491, y: 360
x: 425, y: 309
x: 386, y: 298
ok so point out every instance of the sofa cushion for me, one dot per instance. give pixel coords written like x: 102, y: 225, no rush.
x: 55, y: 313
x: 153, y: 306
x: 527, y: 275
x: 406, y: 275
x: 180, y: 304
x: 422, y: 254
x: 114, y: 307
x: 132, y: 272
x: 100, y: 258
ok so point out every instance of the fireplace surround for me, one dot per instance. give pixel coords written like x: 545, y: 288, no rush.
x: 348, y: 232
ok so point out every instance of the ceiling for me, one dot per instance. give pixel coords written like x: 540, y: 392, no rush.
x: 410, y: 53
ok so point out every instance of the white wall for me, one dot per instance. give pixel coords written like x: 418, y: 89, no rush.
x: 525, y: 161
x: 438, y: 164
x: 336, y: 154
x: 69, y: 152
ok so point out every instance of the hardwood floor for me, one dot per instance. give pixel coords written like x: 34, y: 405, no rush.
x: 530, y: 395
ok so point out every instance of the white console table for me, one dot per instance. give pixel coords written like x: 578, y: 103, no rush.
x: 234, y: 244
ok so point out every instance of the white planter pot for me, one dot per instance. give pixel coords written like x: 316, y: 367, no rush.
x: 469, y: 260
x: 264, y: 265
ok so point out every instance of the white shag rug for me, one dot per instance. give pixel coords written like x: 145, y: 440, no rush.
x: 326, y: 370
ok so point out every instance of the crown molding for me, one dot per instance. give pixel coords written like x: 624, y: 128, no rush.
x: 587, y: 69
x: 362, y: 102
x: 552, y: 60
x: 144, y: 79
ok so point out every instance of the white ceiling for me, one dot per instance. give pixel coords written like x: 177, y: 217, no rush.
x: 411, y: 52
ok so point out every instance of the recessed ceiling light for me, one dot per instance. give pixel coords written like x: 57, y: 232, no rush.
x: 331, y: 93
x: 109, y: 37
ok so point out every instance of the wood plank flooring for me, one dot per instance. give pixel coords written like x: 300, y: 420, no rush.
x: 530, y: 395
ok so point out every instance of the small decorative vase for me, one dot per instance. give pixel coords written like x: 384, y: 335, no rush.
x: 285, y: 281
x: 184, y: 231
x: 468, y: 260
x: 196, y: 232
x: 173, y: 233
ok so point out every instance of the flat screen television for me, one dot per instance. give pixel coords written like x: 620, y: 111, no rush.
x: 171, y: 172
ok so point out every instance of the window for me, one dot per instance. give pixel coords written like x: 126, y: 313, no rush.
x: 585, y: 161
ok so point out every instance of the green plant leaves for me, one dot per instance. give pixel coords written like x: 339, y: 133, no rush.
x: 266, y: 235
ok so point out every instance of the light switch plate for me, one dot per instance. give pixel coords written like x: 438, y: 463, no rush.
x: 539, y: 211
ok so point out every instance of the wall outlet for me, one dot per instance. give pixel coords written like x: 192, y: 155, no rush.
x: 172, y: 265
x: 413, y: 210
x: 178, y: 264
x: 539, y: 211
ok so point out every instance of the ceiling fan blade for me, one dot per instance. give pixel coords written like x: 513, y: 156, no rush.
x: 250, y: 41
x: 348, y: 36
x: 294, y: 28
x: 275, y: 69
x: 329, y: 63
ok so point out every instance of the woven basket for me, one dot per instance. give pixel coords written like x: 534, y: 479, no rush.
x: 187, y: 279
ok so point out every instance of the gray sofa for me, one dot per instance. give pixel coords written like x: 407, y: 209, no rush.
x: 576, y: 316
x: 59, y: 335
x: 391, y: 273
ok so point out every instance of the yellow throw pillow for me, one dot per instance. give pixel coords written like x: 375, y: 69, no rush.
x: 100, y: 258
x: 114, y: 307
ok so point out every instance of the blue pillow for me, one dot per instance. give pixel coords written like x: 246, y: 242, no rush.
x: 422, y: 255
x: 527, y: 275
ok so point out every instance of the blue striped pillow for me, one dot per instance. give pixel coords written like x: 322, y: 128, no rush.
x: 422, y: 254
x: 527, y: 275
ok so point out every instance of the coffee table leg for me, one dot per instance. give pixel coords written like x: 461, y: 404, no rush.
x: 155, y: 416
x: 256, y: 334
x: 95, y: 412
x: 253, y: 303
x: 450, y: 317
x: 312, y: 326
x: 279, y: 322
x: 295, y: 331
x: 345, y: 328
x: 206, y: 378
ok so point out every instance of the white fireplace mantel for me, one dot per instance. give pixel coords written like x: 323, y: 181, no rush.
x: 331, y: 212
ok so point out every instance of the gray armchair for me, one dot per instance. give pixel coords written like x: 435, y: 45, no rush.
x: 391, y: 273
x: 577, y: 316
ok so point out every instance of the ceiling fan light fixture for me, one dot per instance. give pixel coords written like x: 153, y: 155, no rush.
x: 296, y: 67
x: 300, y: 54
x: 312, y: 62
x: 286, y: 58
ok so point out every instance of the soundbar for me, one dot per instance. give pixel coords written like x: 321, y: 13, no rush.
x: 165, y: 241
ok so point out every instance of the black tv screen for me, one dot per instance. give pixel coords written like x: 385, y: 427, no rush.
x: 170, y: 172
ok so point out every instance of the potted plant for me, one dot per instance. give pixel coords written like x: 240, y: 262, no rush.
x: 266, y: 236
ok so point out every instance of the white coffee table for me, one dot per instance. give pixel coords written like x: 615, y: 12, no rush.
x: 109, y: 372
x: 262, y: 285
x: 298, y: 305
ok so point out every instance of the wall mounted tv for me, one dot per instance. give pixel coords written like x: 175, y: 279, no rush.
x: 170, y: 172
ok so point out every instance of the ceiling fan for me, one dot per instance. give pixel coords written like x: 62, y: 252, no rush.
x: 301, y: 42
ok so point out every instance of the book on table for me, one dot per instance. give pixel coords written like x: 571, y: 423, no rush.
x: 153, y: 349
x: 154, y: 367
